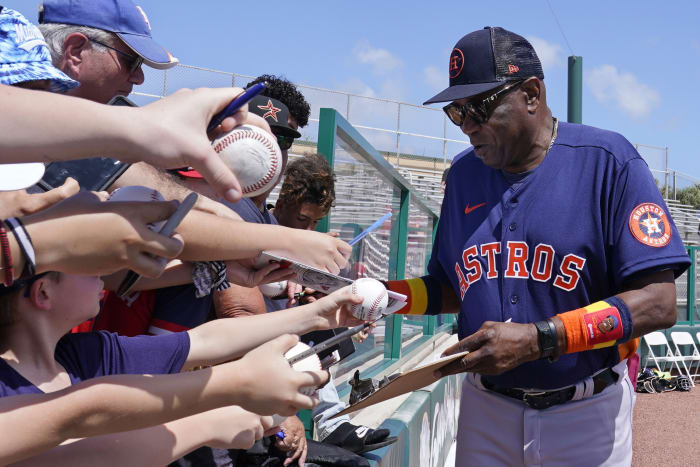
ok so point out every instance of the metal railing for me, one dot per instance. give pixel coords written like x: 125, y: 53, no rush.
x: 407, y: 131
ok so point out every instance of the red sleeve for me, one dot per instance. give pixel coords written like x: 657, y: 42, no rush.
x: 128, y: 316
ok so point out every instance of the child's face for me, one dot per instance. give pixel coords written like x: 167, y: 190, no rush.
x: 78, y: 297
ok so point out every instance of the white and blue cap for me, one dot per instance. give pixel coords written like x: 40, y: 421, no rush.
x: 121, y: 17
x: 24, y: 55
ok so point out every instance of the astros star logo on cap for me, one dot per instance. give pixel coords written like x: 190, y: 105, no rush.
x: 456, y: 62
x: 271, y: 110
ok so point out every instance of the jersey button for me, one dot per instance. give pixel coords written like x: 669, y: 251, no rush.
x: 514, y: 299
x: 512, y: 226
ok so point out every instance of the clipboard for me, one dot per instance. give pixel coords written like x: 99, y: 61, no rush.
x: 412, y: 380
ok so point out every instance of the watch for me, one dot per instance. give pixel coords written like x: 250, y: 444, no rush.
x: 547, y: 338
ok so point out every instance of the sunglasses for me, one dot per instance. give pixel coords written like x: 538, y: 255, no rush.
x: 132, y: 62
x: 478, y: 112
x: 284, y: 142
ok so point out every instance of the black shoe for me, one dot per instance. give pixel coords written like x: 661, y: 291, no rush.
x: 359, y: 439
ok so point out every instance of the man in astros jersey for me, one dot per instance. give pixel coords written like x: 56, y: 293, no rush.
x: 556, y: 248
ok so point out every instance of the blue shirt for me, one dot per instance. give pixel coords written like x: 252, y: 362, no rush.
x: 566, y: 235
x: 89, y: 355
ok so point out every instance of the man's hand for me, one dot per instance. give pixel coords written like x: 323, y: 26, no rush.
x: 494, y: 349
x: 315, y: 249
x: 176, y: 134
x: 242, y: 273
x: 294, y: 442
x: 271, y: 386
x: 84, y: 235
x: 334, y: 309
x: 233, y: 427
x: 19, y: 203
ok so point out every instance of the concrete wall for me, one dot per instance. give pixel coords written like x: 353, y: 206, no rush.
x: 426, y: 424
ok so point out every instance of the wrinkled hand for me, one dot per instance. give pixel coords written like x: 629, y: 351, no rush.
x: 334, y: 309
x: 494, y: 349
x: 176, y: 134
x: 271, y: 386
x: 243, y: 274
x: 233, y: 427
x: 19, y: 203
x: 316, y: 249
x: 83, y: 235
x: 294, y: 442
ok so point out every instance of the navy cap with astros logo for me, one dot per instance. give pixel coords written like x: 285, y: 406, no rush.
x: 275, y: 113
x: 485, y: 59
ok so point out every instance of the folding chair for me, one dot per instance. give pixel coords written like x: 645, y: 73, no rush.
x: 682, y: 338
x: 658, y: 338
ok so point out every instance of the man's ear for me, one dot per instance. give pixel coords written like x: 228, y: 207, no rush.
x: 40, y: 294
x: 533, y: 90
x: 75, y: 46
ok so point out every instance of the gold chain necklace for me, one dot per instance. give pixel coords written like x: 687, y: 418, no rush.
x: 555, y: 130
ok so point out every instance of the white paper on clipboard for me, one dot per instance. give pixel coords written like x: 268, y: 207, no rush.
x: 323, y: 281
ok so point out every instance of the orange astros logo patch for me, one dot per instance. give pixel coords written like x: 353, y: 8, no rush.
x: 649, y: 224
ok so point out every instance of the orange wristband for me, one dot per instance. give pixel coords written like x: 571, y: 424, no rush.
x: 592, y: 327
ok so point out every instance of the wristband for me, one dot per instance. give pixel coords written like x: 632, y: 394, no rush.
x: 208, y: 276
x: 6, y: 257
x: 25, y: 244
x: 423, y: 295
x: 547, y: 339
x: 601, y: 324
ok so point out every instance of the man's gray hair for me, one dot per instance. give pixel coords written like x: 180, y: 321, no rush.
x: 56, y: 33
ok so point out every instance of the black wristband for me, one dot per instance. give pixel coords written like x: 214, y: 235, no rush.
x: 547, y: 338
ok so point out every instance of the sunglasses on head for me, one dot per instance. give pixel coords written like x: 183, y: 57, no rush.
x: 132, y: 62
x: 284, y: 142
x: 478, y: 111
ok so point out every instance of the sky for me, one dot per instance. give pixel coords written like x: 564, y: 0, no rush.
x: 641, y: 60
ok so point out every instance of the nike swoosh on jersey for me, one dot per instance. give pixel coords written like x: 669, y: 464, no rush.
x: 468, y: 209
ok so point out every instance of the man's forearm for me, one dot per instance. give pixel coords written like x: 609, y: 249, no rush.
x: 136, y: 447
x: 225, y: 339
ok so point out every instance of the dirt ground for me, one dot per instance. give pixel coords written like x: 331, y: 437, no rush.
x: 667, y: 429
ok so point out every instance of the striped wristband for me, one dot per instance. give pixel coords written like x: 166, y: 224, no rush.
x: 25, y: 244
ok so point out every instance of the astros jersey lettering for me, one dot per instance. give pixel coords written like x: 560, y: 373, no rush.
x: 524, y: 247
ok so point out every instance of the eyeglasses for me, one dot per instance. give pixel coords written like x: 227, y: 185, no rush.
x: 479, y: 113
x: 132, y: 62
x: 284, y: 142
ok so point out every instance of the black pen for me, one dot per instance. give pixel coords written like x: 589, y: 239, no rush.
x: 331, y: 342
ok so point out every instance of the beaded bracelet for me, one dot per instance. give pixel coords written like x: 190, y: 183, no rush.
x: 6, y: 257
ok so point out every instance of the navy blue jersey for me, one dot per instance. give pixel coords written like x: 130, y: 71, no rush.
x: 567, y: 234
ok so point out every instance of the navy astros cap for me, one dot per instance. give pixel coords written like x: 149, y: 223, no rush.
x: 121, y: 17
x: 275, y: 113
x: 485, y: 59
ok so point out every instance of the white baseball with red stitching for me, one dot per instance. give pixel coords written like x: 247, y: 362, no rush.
x: 273, y: 289
x: 138, y: 193
x: 375, y: 299
x: 310, y: 363
x: 253, y: 156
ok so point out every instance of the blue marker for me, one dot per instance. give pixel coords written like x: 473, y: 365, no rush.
x: 280, y: 435
x: 235, y: 104
x: 371, y: 228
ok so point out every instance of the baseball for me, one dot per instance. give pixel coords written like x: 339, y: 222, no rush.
x: 253, y: 156
x: 375, y: 299
x: 308, y: 364
x: 273, y: 289
x: 138, y: 193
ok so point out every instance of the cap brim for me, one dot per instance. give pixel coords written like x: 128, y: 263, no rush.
x: 189, y: 173
x: 19, y: 176
x: 153, y: 54
x: 461, y: 91
x: 285, y: 131
x: 15, y: 73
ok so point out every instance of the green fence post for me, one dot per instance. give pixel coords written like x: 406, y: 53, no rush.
x: 397, y: 270
x: 325, y: 146
x: 574, y: 108
x: 690, y: 289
